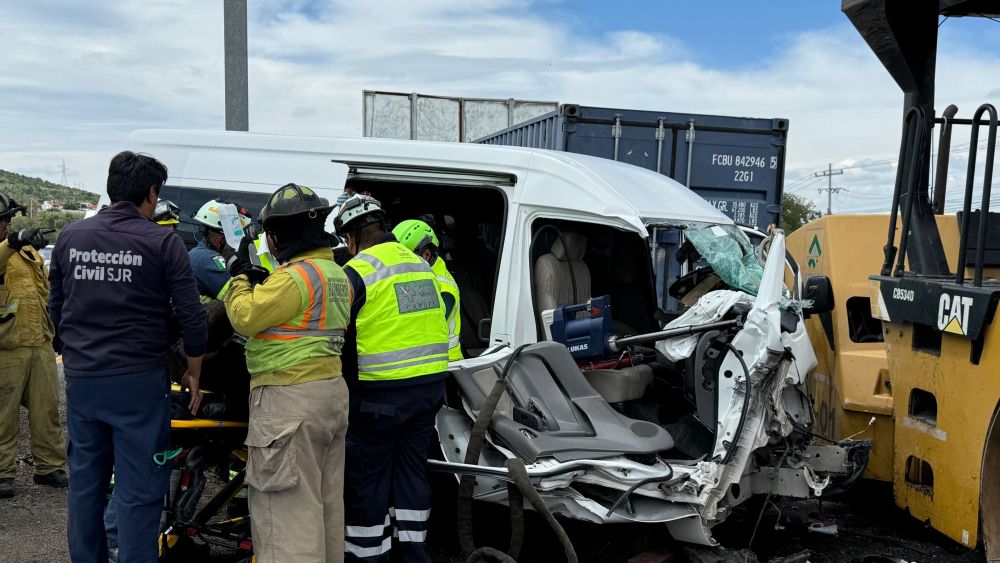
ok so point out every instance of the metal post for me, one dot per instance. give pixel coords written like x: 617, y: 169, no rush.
x: 616, y: 132
x: 690, y: 142
x: 235, y: 38
x: 829, y: 173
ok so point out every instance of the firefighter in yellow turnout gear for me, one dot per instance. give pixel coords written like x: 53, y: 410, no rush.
x: 295, y: 321
x: 419, y: 237
x: 27, y: 359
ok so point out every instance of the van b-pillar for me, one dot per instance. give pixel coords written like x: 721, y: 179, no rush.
x: 903, y: 34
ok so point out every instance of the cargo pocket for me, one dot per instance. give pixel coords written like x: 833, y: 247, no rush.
x: 271, y: 465
x: 8, y: 321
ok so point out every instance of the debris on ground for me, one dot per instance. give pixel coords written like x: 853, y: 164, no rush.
x: 800, y: 557
x: 824, y: 527
x: 654, y: 556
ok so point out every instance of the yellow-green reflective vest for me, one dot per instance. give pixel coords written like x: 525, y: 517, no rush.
x: 265, y: 258
x: 402, y: 331
x: 318, y: 330
x: 449, y: 286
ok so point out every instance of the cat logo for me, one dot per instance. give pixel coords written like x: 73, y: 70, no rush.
x: 953, y: 313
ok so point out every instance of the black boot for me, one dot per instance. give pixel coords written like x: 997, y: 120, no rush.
x: 6, y: 487
x: 57, y: 479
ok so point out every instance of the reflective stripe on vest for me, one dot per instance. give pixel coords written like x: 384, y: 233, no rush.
x: 402, y: 331
x: 318, y: 329
x: 450, y: 286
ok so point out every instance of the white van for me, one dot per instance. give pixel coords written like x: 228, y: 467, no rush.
x: 663, y: 423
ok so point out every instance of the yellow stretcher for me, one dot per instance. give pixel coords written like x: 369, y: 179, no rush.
x: 194, y: 521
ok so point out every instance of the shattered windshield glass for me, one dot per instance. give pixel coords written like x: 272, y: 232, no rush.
x: 730, y: 254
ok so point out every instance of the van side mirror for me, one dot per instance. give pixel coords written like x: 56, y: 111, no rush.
x: 485, y: 326
x: 819, y: 290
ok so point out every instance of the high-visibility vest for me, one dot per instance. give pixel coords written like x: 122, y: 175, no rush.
x: 265, y: 258
x: 318, y: 330
x: 450, y: 286
x: 401, y: 329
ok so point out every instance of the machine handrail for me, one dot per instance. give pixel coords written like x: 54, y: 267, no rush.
x: 967, y: 202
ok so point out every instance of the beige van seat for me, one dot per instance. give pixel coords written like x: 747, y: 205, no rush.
x: 554, y: 284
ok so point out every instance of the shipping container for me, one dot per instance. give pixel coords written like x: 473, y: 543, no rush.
x: 398, y: 115
x: 736, y: 163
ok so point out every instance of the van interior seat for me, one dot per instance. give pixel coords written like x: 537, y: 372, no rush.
x: 561, y: 276
x: 551, y: 410
x: 623, y: 384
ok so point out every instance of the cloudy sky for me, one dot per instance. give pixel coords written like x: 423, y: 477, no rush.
x: 77, y: 77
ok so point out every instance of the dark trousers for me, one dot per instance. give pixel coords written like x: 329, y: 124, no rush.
x: 386, y: 493
x: 117, y: 422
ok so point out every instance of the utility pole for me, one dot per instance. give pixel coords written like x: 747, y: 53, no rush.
x: 62, y: 170
x: 234, y: 23
x: 829, y: 173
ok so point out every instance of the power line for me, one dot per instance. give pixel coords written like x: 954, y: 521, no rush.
x: 829, y: 173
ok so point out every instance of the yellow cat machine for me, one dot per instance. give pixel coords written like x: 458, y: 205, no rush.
x: 935, y: 392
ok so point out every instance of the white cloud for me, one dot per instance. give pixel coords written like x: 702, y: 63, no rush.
x: 75, y: 82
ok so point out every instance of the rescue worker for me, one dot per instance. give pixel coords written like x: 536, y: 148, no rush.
x: 167, y: 214
x: 419, y: 237
x: 27, y: 360
x: 206, y: 258
x: 398, y: 350
x: 117, y: 278
x: 295, y: 323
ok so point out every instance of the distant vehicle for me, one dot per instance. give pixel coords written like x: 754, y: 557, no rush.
x: 47, y: 255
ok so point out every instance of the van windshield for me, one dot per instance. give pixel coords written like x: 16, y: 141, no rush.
x: 729, y: 252
x: 698, y: 254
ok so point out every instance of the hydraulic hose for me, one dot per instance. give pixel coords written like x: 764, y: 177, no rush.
x: 467, y: 484
x: 517, y: 490
x: 746, y: 404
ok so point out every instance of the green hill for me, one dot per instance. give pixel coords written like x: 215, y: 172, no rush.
x: 32, y: 192
x: 24, y: 189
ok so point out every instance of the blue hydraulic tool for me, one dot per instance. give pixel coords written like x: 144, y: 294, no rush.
x: 587, y: 337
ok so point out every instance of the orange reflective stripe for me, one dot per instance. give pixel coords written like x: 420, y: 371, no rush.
x: 309, y: 290
x: 323, y: 295
x: 266, y: 336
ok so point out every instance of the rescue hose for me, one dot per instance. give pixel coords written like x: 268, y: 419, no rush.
x: 519, y: 488
x: 467, y: 483
x: 746, y: 403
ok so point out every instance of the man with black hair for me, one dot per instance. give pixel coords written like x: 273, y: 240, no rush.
x: 116, y: 279
x: 398, y: 350
x: 294, y: 319
x: 27, y: 360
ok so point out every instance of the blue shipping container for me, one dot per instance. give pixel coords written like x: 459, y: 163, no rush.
x: 736, y: 163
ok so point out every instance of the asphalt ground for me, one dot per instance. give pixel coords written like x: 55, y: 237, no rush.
x: 33, y: 529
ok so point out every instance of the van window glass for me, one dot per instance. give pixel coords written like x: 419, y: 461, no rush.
x: 191, y: 199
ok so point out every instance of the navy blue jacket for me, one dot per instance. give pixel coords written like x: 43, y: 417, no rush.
x: 115, y: 279
x: 209, y: 269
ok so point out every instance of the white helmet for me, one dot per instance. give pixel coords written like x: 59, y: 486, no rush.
x: 208, y: 215
x: 358, y: 211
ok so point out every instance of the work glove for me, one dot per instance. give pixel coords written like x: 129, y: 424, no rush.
x: 29, y: 237
x: 238, y: 262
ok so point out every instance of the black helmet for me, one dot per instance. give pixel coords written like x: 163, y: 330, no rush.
x: 290, y: 200
x: 9, y: 207
x: 166, y: 212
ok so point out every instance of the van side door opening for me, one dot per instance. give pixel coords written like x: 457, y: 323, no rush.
x: 469, y: 222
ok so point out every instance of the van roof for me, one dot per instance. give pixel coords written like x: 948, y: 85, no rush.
x: 551, y: 179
